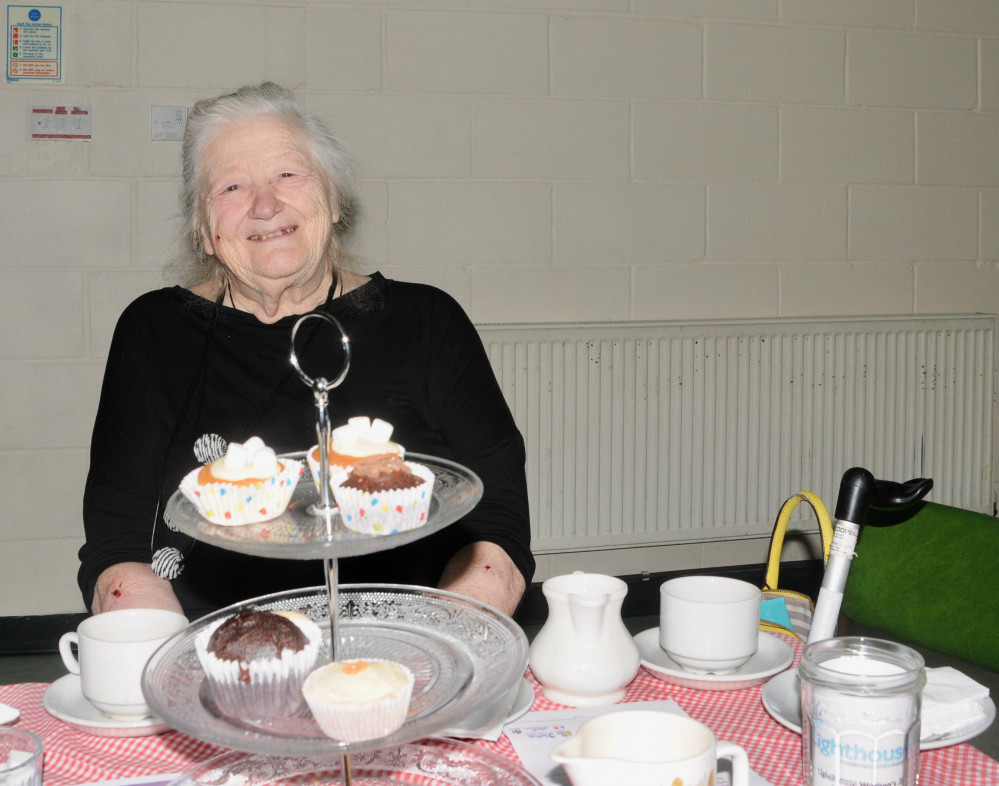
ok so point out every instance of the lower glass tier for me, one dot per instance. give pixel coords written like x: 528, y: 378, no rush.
x: 466, y: 658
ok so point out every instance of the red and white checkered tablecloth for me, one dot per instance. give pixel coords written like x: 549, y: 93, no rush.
x: 774, y: 751
x: 72, y: 757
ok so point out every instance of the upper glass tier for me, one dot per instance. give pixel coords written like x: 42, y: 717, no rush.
x: 301, y: 532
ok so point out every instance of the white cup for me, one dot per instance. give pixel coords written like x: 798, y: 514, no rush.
x: 113, y: 649
x: 646, y: 748
x: 709, y: 624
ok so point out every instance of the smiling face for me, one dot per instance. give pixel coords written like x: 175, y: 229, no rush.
x: 266, y: 215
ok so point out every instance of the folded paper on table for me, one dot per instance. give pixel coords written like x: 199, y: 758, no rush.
x: 951, y: 700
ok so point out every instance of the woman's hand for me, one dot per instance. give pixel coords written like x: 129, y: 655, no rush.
x: 133, y: 585
x: 485, y: 572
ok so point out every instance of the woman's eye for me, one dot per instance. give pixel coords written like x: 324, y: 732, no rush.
x: 226, y: 190
x: 292, y: 178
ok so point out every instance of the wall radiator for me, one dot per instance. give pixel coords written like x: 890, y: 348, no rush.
x: 665, y: 433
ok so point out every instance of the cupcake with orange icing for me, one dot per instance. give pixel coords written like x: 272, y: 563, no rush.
x: 359, y: 699
x: 358, y: 438
x: 247, y: 485
x: 384, y: 494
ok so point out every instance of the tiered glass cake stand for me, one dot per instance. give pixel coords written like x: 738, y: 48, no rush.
x: 467, y: 657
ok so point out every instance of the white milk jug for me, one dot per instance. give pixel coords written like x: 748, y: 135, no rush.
x: 584, y: 655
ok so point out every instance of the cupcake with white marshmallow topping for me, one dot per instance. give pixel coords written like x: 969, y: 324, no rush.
x: 247, y: 485
x: 360, y: 437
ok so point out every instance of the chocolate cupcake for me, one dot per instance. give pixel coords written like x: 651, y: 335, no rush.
x: 256, y: 662
x: 384, y: 494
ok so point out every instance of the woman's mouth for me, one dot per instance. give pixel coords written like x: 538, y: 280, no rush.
x: 275, y: 233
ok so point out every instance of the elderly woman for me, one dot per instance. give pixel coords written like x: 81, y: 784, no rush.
x: 267, y: 195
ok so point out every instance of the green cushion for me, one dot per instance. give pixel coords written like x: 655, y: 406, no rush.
x: 929, y: 574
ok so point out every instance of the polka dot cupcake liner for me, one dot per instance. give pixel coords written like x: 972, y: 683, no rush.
x: 386, y: 512
x: 229, y: 504
x: 338, y: 474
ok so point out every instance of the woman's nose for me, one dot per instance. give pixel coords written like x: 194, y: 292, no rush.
x: 265, y: 201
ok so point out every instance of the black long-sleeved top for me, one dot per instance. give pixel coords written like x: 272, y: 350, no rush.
x: 184, y: 377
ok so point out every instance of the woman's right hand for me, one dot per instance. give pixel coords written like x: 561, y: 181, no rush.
x: 133, y: 585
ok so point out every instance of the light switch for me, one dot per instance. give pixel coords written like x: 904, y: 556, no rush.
x: 167, y: 123
x: 61, y: 123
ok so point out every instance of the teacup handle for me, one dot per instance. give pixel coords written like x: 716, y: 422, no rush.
x: 68, y: 659
x: 740, y: 762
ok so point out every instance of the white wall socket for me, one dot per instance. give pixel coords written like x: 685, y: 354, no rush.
x: 167, y: 123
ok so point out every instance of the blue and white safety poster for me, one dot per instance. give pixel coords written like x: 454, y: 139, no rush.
x: 34, y: 43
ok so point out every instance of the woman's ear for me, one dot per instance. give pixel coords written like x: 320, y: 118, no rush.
x: 206, y: 242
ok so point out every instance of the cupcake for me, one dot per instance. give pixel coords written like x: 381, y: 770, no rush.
x: 256, y: 662
x: 358, y: 438
x: 247, y: 485
x: 359, y: 699
x: 384, y: 494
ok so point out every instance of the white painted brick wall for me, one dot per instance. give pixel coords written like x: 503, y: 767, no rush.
x: 542, y: 160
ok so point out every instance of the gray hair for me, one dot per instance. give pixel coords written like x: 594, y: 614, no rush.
x: 327, y: 152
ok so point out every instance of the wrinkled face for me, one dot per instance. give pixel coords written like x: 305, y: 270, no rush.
x: 266, y: 217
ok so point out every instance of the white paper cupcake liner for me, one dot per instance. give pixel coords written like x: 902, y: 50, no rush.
x: 229, y: 504
x: 338, y: 474
x: 385, y: 512
x: 357, y: 722
x: 260, y: 689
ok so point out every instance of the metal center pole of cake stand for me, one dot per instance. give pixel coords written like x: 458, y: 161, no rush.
x: 321, y: 387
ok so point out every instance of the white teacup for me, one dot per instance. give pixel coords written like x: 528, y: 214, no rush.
x: 646, y: 748
x: 709, y: 624
x: 113, y: 649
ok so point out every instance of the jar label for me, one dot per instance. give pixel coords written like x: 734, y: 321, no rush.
x: 861, y: 742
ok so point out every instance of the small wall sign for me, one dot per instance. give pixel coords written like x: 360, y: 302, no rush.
x: 34, y: 43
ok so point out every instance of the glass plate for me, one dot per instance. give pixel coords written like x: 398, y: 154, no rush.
x: 466, y: 658
x: 299, y: 534
x: 430, y: 763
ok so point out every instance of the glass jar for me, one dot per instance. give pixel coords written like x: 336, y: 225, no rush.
x: 860, y: 700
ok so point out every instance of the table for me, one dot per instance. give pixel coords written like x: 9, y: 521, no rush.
x: 72, y: 757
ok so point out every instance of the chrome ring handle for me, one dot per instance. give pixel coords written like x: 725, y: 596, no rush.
x: 320, y: 384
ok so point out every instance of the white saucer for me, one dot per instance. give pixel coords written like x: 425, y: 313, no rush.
x: 782, y: 699
x: 8, y: 714
x: 772, y: 656
x: 523, y: 702
x: 523, y: 699
x: 64, y: 700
